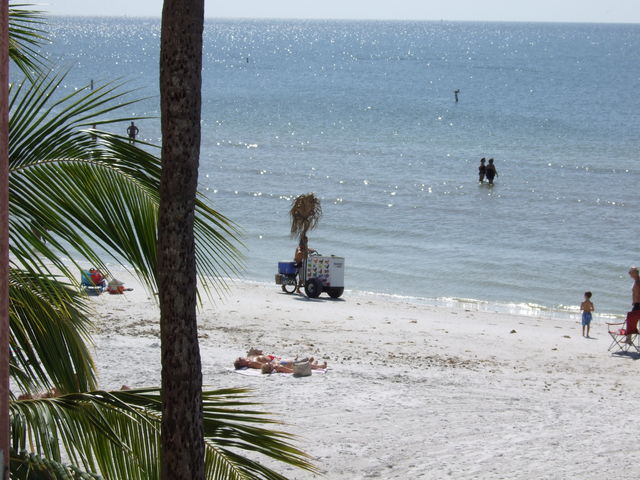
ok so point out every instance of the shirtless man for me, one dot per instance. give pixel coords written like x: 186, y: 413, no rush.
x: 491, y: 171
x: 635, y: 290
x: 482, y: 170
x: 132, y: 131
x: 280, y: 366
x: 302, y: 251
x: 268, y: 363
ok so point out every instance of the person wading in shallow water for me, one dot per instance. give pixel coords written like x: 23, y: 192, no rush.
x: 491, y: 171
x: 132, y: 131
x: 482, y: 170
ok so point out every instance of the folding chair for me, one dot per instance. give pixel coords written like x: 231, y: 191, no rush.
x: 89, y: 285
x: 624, y: 335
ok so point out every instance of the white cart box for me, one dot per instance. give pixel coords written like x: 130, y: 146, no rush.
x: 329, y: 270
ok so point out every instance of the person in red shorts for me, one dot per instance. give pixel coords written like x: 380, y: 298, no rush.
x: 97, y: 278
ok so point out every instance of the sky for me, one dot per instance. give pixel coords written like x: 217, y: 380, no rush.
x: 619, y: 11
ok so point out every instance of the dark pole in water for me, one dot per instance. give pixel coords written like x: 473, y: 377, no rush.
x: 92, y: 84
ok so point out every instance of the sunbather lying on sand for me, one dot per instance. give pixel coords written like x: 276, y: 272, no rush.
x: 270, y: 363
x: 286, y: 366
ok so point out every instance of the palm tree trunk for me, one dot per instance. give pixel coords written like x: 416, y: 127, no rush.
x: 180, y: 84
x: 4, y: 239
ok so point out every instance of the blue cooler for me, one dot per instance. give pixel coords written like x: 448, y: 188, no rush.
x: 287, y: 268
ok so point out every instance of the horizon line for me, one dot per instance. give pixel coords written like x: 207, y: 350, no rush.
x: 442, y: 20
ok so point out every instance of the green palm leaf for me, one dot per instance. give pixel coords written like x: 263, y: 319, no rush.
x: 117, y: 434
x: 78, y: 192
x: 49, y: 335
x: 28, y: 466
x: 90, y: 192
x: 25, y: 36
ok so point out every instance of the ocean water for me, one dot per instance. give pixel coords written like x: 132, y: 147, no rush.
x: 363, y: 114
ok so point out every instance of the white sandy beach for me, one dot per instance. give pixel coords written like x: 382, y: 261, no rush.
x: 412, y: 391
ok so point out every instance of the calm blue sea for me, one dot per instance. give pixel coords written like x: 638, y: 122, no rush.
x: 363, y: 114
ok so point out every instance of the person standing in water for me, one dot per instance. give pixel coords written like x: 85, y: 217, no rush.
x: 491, y: 171
x: 455, y: 94
x: 482, y: 170
x: 132, y: 131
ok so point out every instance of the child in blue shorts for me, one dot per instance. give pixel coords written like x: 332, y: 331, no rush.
x: 586, y: 307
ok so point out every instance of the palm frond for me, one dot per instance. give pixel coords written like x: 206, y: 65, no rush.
x: 49, y: 335
x: 45, y: 125
x: 29, y: 466
x: 79, y: 192
x: 117, y: 434
x: 88, y: 192
x: 305, y: 214
x: 217, y: 237
x: 26, y: 35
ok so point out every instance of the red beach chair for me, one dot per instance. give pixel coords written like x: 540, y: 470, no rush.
x: 92, y: 281
x: 625, y: 335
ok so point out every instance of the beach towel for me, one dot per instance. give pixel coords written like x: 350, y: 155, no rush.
x: 254, y: 372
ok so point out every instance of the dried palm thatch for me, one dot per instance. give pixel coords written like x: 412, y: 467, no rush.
x: 305, y: 214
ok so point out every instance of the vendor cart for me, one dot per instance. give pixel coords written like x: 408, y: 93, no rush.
x: 321, y: 274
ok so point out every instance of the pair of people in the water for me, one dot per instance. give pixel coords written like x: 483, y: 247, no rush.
x: 487, y: 170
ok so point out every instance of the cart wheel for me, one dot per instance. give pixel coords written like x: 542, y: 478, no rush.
x: 288, y: 288
x: 313, y: 288
x: 335, y: 292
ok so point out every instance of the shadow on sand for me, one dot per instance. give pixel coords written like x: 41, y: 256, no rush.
x: 628, y: 355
